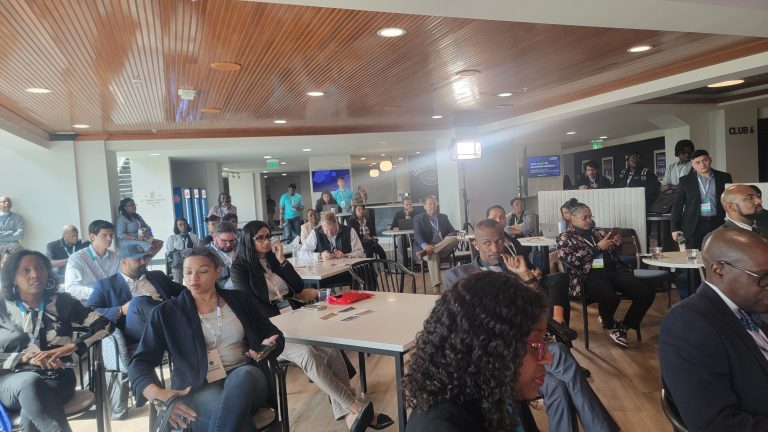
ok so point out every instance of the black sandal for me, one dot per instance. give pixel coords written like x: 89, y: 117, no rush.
x: 383, y: 421
x: 363, y: 419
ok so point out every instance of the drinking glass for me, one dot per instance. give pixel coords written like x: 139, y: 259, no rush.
x: 692, y: 255
x: 656, y: 253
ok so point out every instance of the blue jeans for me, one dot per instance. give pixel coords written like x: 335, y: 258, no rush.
x: 40, y: 400
x: 292, y: 228
x: 227, y: 405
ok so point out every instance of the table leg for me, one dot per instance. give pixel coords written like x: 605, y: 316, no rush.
x: 361, y: 366
x: 544, y: 250
x: 394, y: 244
x: 401, y: 411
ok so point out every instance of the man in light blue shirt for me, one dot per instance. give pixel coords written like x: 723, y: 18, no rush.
x: 291, y: 206
x: 344, y: 197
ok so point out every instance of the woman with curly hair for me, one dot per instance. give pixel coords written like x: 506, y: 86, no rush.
x: 482, y: 349
x: 130, y: 228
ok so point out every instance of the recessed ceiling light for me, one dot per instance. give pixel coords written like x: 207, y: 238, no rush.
x: 81, y: 126
x: 265, y: 171
x: 383, y: 154
x: 362, y: 158
x: 284, y: 174
x: 280, y: 121
x: 603, y: 137
x: 282, y: 163
x: 306, y: 149
x: 505, y: 94
x: 267, y: 157
x: 726, y: 83
x: 437, y: 116
x: 315, y: 93
x: 418, y: 152
x: 570, y: 133
x: 399, y: 158
x: 158, y: 154
x: 226, y: 66
x: 266, y: 176
x: 38, y: 90
x: 225, y: 168
x: 468, y: 73
x: 210, y: 110
x: 639, y: 48
x: 391, y: 32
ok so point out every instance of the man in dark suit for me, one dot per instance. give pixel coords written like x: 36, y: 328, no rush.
x: 742, y: 208
x: 713, y: 347
x: 434, y: 239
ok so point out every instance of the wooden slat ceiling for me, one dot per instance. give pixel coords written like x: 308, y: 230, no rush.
x: 117, y: 65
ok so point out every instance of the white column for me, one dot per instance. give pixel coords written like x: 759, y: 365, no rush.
x: 96, y: 194
x: 153, y: 194
x: 448, y: 183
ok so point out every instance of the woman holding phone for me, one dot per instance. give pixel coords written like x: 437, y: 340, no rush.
x: 217, y: 341
x: 261, y: 270
x: 595, y: 257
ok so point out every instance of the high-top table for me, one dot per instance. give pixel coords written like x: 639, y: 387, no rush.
x: 393, y: 234
x: 315, y: 272
x: 542, y: 244
x: 678, y: 260
x: 389, y: 330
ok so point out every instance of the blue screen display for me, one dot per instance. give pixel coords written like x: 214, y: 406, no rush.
x: 543, y: 166
x: 326, y: 179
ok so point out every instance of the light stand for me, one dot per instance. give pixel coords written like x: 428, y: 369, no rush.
x: 461, y: 151
x: 466, y: 226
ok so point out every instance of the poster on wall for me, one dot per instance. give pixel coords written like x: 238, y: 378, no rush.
x: 423, y: 177
x: 660, y: 162
x: 607, y: 166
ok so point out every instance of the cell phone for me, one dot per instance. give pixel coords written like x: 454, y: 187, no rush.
x: 264, y: 349
x: 614, y: 231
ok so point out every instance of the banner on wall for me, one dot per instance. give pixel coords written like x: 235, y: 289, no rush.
x: 423, y: 177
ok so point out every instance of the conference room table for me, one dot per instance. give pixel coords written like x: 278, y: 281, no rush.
x: 313, y: 272
x: 542, y: 244
x: 678, y: 259
x: 387, y: 324
x: 394, y: 234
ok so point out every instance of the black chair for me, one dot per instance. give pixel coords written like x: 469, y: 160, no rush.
x: 670, y: 410
x: 586, y: 301
x: 381, y: 275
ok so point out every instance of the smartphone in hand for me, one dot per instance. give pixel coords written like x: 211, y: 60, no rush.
x: 264, y: 349
x: 614, y: 231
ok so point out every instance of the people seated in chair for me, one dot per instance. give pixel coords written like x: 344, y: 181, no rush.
x: 742, y: 208
x: 313, y: 220
x: 330, y: 241
x: 262, y: 271
x: 713, y: 348
x: 224, y: 208
x: 59, y: 251
x: 592, y: 179
x: 211, y: 223
x: 476, y: 359
x: 435, y: 239
x: 132, y: 229
x: 593, y: 256
x: 565, y: 381
x: 326, y: 199
x: 231, y: 218
x: 212, y: 336
x: 126, y: 299
x: 366, y: 231
x: 521, y: 222
x: 36, y: 332
x: 11, y: 228
x: 406, y: 213
x: 181, y: 240
x: 225, y: 246
x: 87, y: 266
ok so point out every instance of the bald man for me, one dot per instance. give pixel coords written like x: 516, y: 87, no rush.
x: 58, y: 251
x: 713, y: 347
x: 11, y: 227
x: 742, y: 207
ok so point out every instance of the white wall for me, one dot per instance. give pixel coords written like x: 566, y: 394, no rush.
x: 244, y: 188
x: 741, y: 148
x: 152, y: 192
x: 491, y: 179
x: 96, y: 198
x: 448, y: 183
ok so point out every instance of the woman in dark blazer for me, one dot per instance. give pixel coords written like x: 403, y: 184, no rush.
x: 211, y: 335
x: 366, y: 231
x: 261, y: 270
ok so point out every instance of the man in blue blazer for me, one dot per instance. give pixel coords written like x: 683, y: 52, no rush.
x: 713, y: 347
x: 435, y: 239
x: 128, y: 297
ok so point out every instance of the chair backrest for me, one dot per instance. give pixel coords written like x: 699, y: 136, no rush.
x: 670, y: 410
x: 381, y: 275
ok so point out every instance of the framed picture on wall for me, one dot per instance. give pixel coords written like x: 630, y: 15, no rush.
x: 583, y: 167
x: 660, y: 163
x: 608, y: 168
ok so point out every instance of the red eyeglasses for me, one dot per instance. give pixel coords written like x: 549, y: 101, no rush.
x: 540, y: 348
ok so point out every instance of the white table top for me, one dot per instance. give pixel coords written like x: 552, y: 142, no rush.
x: 393, y: 325
x: 674, y: 260
x: 397, y: 232
x: 537, y: 241
x: 323, y: 269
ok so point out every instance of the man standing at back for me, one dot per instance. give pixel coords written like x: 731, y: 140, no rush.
x: 713, y: 347
x: 636, y: 175
x: 343, y: 196
x: 291, y: 206
x: 592, y: 179
x: 94, y: 263
x: 677, y: 170
x: 435, y: 239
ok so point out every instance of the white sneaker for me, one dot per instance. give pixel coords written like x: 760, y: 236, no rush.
x: 619, y: 336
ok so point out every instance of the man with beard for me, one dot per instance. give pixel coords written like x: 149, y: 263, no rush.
x: 742, y: 208
x: 224, y: 244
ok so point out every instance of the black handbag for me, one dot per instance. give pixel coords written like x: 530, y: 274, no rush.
x: 663, y: 203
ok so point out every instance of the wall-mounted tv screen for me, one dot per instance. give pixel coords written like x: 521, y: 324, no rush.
x: 326, y: 179
x: 543, y: 166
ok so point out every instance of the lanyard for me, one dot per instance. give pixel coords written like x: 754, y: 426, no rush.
x: 513, y: 249
x: 69, y: 253
x: 268, y: 276
x: 218, y: 319
x: 95, y: 259
x: 701, y: 185
x: 436, y: 227
x: 27, y: 315
x: 592, y: 243
x: 518, y: 221
x: 629, y: 177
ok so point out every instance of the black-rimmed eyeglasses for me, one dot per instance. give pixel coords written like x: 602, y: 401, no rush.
x: 762, y: 280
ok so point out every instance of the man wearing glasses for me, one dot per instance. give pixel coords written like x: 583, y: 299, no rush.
x: 225, y: 245
x: 713, y: 347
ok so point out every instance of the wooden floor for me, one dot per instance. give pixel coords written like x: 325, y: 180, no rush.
x: 626, y: 380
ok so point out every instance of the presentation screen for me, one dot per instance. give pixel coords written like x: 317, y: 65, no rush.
x: 543, y: 166
x: 326, y: 179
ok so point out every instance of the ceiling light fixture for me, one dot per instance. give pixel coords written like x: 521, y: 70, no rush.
x: 158, y: 154
x: 726, y: 83
x: 383, y: 154
x: 437, y: 116
x: 226, y: 66
x: 466, y: 73
x: 505, y: 94
x: 418, y: 152
x: 603, y: 137
x: 225, y: 168
x: 38, y: 90
x: 399, y: 158
x: 306, y: 149
x: 265, y: 171
x: 385, y: 165
x: 284, y: 174
x: 639, y: 48
x: 81, y: 126
x: 362, y: 158
x: 374, y: 172
x: 282, y: 163
x: 391, y: 32
x: 280, y: 121
x: 266, y: 176
x: 570, y: 133
x: 267, y: 157
x: 315, y: 93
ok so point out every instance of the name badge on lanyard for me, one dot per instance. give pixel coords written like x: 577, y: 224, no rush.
x: 706, y: 207
x: 215, y: 365
x: 598, y: 262
x: 34, y: 345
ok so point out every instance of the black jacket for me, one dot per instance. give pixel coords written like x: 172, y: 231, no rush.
x: 401, y: 215
x: 714, y: 370
x: 640, y: 177
x: 422, y: 228
x: 111, y: 293
x: 686, y: 206
x: 174, y: 326
x: 249, y: 278
x: 354, y: 223
x: 602, y: 182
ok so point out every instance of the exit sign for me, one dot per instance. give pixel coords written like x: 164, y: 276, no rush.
x: 597, y: 144
x: 273, y: 163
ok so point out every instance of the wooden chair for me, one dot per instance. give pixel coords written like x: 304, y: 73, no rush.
x: 381, y: 275
x: 660, y: 279
x: 586, y: 301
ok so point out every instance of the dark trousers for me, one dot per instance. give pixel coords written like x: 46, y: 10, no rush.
x: 556, y: 286
x: 137, y: 317
x: 604, y: 286
x: 693, y: 241
x: 40, y: 399
x: 372, y: 248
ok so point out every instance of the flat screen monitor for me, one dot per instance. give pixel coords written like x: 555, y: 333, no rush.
x: 326, y: 179
x: 543, y: 166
